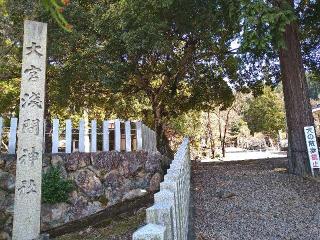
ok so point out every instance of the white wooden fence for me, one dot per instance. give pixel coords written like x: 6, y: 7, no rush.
x: 168, y: 218
x: 115, y: 135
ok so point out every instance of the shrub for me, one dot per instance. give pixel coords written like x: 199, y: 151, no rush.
x: 55, y: 188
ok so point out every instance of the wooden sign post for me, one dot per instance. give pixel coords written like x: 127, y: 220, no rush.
x: 312, y: 147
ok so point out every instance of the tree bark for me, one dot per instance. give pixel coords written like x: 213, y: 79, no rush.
x: 296, y: 97
x: 163, y: 145
x: 225, y: 134
x: 47, y: 124
x: 211, y: 139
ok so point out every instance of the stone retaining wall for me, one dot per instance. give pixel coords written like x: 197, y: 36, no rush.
x: 167, y: 219
x: 100, y: 180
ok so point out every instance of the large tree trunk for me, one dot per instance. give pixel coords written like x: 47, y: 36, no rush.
x: 296, y: 97
x: 163, y: 145
x: 225, y: 134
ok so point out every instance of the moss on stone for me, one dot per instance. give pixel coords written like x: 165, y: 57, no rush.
x: 104, y: 200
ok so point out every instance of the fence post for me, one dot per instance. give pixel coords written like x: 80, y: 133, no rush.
x: 1, y: 126
x: 161, y: 213
x: 150, y: 232
x: 170, y: 196
x: 68, y: 136
x: 81, y: 135
x: 55, y: 136
x: 117, y: 135
x: 106, y: 136
x: 139, y: 135
x: 93, y: 135
x: 13, y: 136
x: 128, y: 135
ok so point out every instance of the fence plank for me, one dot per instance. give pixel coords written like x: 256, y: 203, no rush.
x: 155, y: 140
x: 1, y: 126
x: 13, y: 136
x: 148, y: 139
x: 86, y: 136
x: 106, y: 136
x: 68, y: 136
x: 82, y: 135
x: 93, y: 135
x: 117, y: 135
x: 55, y: 136
x: 139, y: 135
x: 128, y: 136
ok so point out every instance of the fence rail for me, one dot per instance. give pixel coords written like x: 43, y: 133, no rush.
x: 167, y: 219
x: 115, y: 135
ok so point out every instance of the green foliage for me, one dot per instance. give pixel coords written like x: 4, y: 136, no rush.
x: 314, y: 85
x: 9, y: 98
x: 55, y: 189
x: 239, y: 129
x: 189, y: 124
x: 264, y: 24
x: 266, y: 113
x: 56, y: 9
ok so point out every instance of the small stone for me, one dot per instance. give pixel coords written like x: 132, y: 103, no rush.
x: 155, y: 182
x: 46, y: 161
x: 134, y: 194
x: 93, y: 207
x: 4, y: 236
x: 56, y: 160
x: 225, y: 194
x: 88, y: 230
x: 2, y: 163
x: 9, y: 204
x: 7, y: 181
x: 53, y: 215
x: 113, y: 196
x: 10, y: 162
x: 44, y: 236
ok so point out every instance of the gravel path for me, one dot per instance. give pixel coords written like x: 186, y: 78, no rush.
x: 253, y: 200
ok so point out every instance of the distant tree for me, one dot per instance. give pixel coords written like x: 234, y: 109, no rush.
x: 265, y: 113
x: 227, y: 117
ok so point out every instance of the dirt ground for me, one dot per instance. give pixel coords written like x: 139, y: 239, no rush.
x: 121, y: 228
x: 255, y: 199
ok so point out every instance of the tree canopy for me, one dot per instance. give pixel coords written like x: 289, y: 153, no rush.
x: 157, y: 60
x: 265, y: 113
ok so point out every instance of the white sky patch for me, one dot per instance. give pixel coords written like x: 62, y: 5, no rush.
x: 235, y: 44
